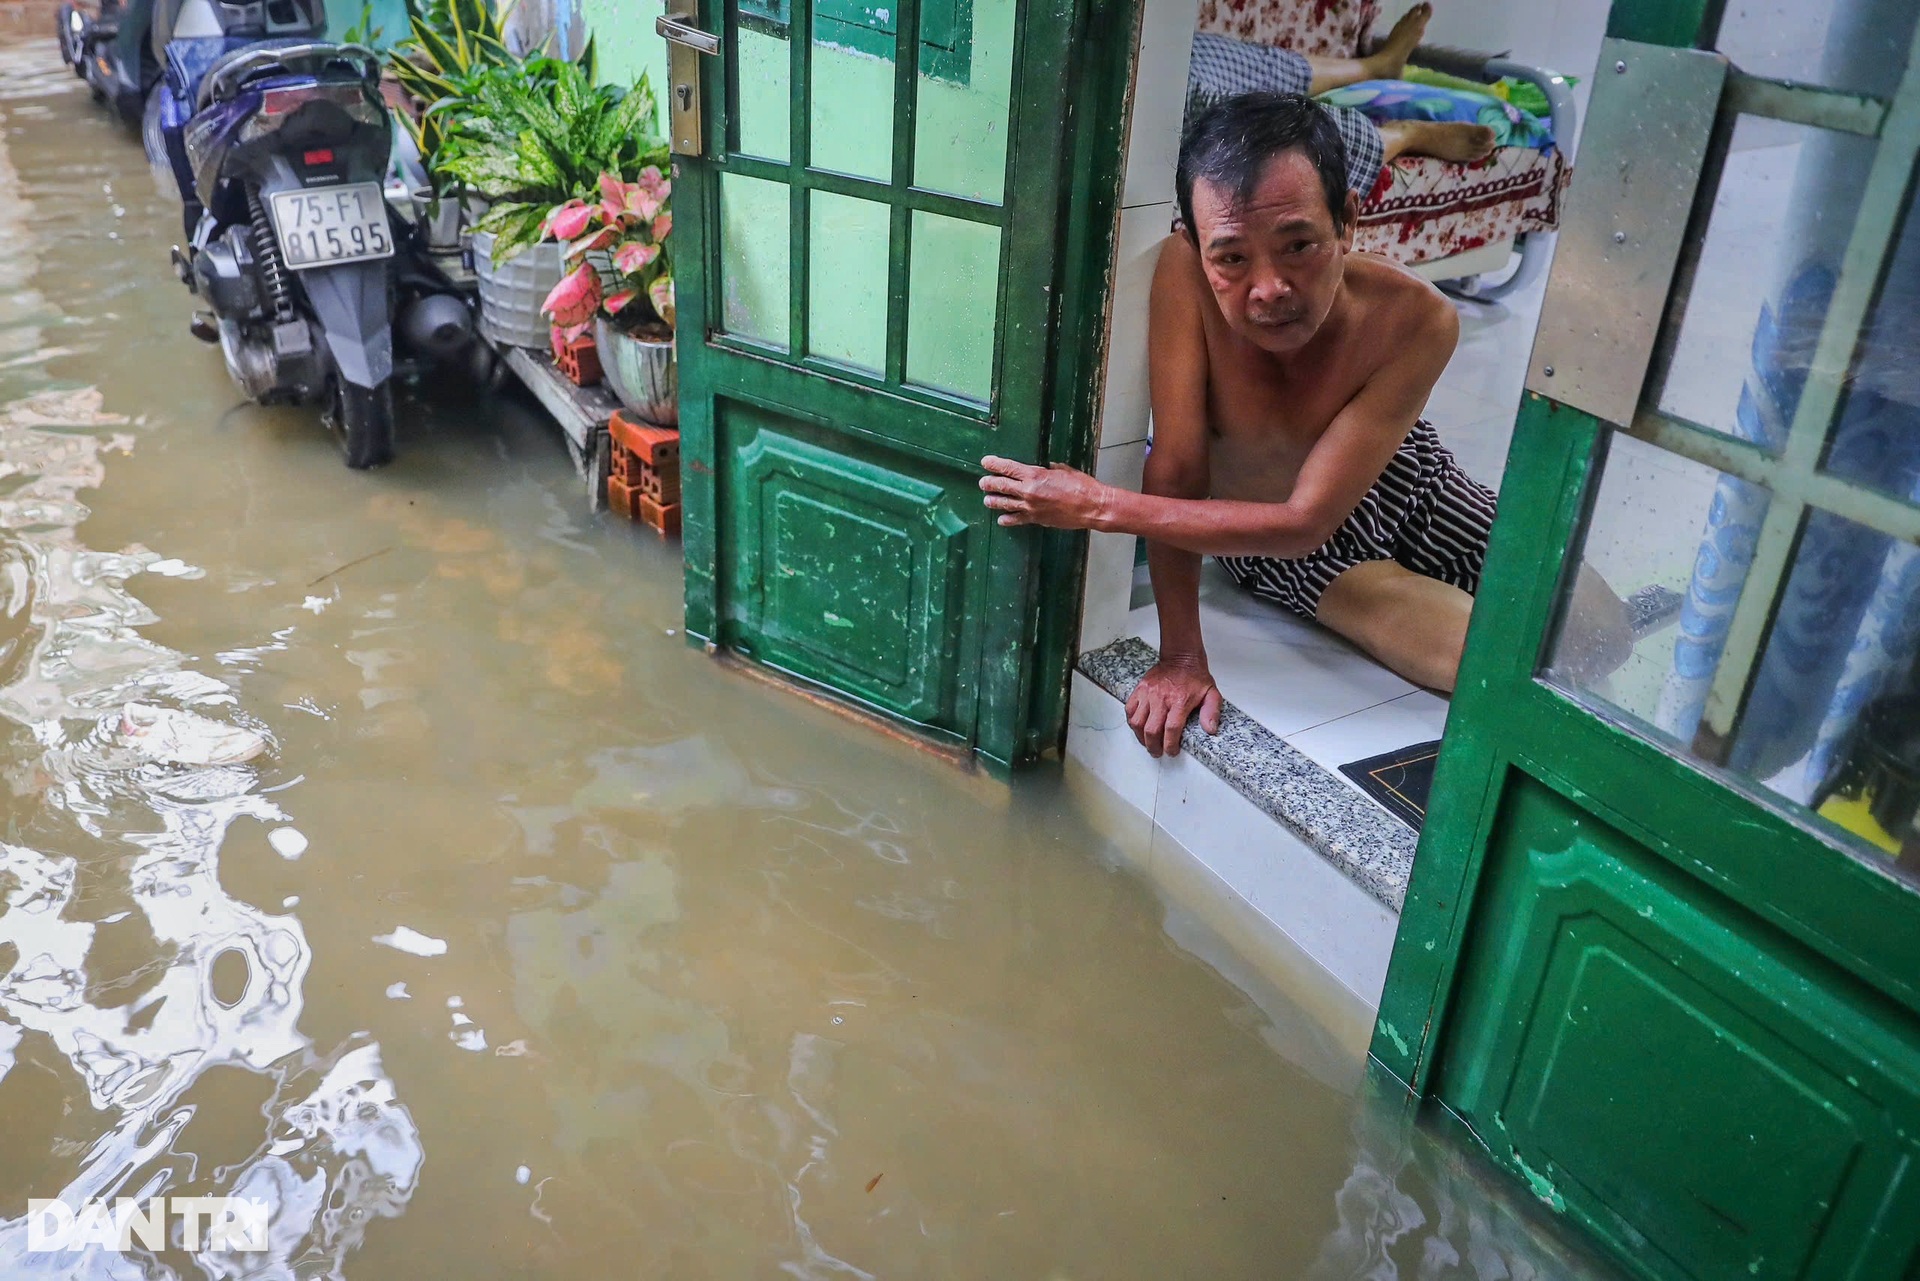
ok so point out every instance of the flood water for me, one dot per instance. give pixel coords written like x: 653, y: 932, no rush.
x: 374, y: 845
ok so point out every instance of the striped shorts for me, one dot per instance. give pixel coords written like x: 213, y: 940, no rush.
x: 1424, y: 512
x: 1222, y: 67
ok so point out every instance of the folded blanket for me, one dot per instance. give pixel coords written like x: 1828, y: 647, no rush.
x: 1381, y: 100
x: 1524, y: 94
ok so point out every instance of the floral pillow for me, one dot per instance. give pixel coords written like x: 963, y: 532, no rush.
x: 1403, y: 100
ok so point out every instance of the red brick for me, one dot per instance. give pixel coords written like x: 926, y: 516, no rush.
x: 656, y: 446
x: 622, y: 499
x: 665, y: 518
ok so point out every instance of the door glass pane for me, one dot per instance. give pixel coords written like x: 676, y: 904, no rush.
x: 1833, y: 718
x: 1788, y: 195
x: 852, y: 87
x: 1833, y: 721
x: 1857, y: 45
x: 960, y: 116
x: 1875, y: 437
x: 753, y: 258
x: 847, y: 278
x: 1661, y: 568
x: 952, y: 298
x: 765, y: 77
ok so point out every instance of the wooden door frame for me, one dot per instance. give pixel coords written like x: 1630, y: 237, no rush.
x: 1052, y: 342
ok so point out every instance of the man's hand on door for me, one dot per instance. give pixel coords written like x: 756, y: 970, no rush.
x: 1058, y: 497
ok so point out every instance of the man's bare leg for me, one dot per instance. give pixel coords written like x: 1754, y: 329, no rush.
x: 1415, y: 625
x: 1384, y: 63
x: 1445, y: 139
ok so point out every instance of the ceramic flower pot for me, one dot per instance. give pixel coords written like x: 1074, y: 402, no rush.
x: 511, y: 294
x: 441, y: 221
x: 642, y: 374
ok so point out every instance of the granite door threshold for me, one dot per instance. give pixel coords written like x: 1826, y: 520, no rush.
x: 1374, y: 849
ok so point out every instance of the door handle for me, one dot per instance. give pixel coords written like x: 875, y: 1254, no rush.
x: 686, y: 45
x: 678, y: 29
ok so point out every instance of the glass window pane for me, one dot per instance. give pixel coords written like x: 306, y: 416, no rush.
x: 753, y: 258
x: 1764, y: 279
x: 953, y: 295
x: 1875, y: 436
x: 1833, y: 721
x: 1662, y: 563
x: 1859, y: 45
x: 764, y: 71
x: 847, y: 277
x: 960, y: 114
x: 852, y: 84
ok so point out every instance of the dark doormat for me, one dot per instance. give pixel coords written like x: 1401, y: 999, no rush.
x: 1400, y: 780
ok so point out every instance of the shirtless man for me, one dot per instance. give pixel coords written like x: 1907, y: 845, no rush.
x: 1288, y: 373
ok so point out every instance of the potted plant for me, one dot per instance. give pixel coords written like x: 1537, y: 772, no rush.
x: 446, y: 43
x: 526, y: 137
x: 619, y: 285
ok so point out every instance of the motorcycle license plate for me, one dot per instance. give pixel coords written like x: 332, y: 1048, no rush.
x: 325, y: 226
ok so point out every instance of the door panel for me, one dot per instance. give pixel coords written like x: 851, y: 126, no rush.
x: 892, y: 225
x: 847, y: 567
x: 1661, y: 949
x: 1668, y: 1069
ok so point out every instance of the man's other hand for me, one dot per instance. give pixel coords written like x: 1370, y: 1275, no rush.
x: 1058, y: 496
x: 1166, y: 696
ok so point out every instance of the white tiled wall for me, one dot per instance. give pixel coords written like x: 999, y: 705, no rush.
x: 1153, y: 144
x: 1195, y: 823
x: 1109, y: 576
x: 1159, y: 97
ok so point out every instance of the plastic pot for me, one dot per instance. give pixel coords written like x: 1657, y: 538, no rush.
x: 511, y: 294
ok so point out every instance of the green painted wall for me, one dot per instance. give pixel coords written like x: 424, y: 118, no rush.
x: 386, y: 20
x: 623, y: 33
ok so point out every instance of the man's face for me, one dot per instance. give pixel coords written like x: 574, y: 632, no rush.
x: 1275, y: 262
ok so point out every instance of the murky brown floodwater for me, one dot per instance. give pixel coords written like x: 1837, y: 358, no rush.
x: 534, y: 943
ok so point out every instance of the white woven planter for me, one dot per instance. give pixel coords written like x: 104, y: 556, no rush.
x: 511, y: 294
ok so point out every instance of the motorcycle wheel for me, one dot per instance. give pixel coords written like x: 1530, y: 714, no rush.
x: 364, y: 418
x: 70, y: 52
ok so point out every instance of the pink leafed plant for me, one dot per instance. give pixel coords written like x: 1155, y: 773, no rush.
x: 629, y: 274
x: 573, y: 303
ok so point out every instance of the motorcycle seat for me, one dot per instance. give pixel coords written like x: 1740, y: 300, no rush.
x: 189, y: 61
x: 305, y: 58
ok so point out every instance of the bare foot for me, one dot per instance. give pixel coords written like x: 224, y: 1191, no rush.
x: 1446, y: 140
x: 1388, y: 60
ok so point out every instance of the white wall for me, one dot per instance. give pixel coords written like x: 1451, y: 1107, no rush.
x: 1560, y: 35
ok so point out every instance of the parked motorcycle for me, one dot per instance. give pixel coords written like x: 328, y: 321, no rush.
x: 108, y: 44
x: 119, y: 46
x: 280, y: 150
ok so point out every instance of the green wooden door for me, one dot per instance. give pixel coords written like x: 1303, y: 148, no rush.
x: 893, y: 272
x: 1661, y: 951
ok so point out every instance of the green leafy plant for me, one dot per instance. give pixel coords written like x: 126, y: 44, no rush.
x: 363, y: 32
x: 449, y: 46
x: 531, y: 137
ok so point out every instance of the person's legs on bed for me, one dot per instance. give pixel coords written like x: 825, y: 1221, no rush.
x: 1384, y: 63
x: 1443, y: 139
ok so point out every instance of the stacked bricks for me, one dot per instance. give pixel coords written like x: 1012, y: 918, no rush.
x: 645, y: 481
x: 579, y: 360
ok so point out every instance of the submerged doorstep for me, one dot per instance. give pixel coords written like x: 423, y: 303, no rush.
x: 1374, y: 849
